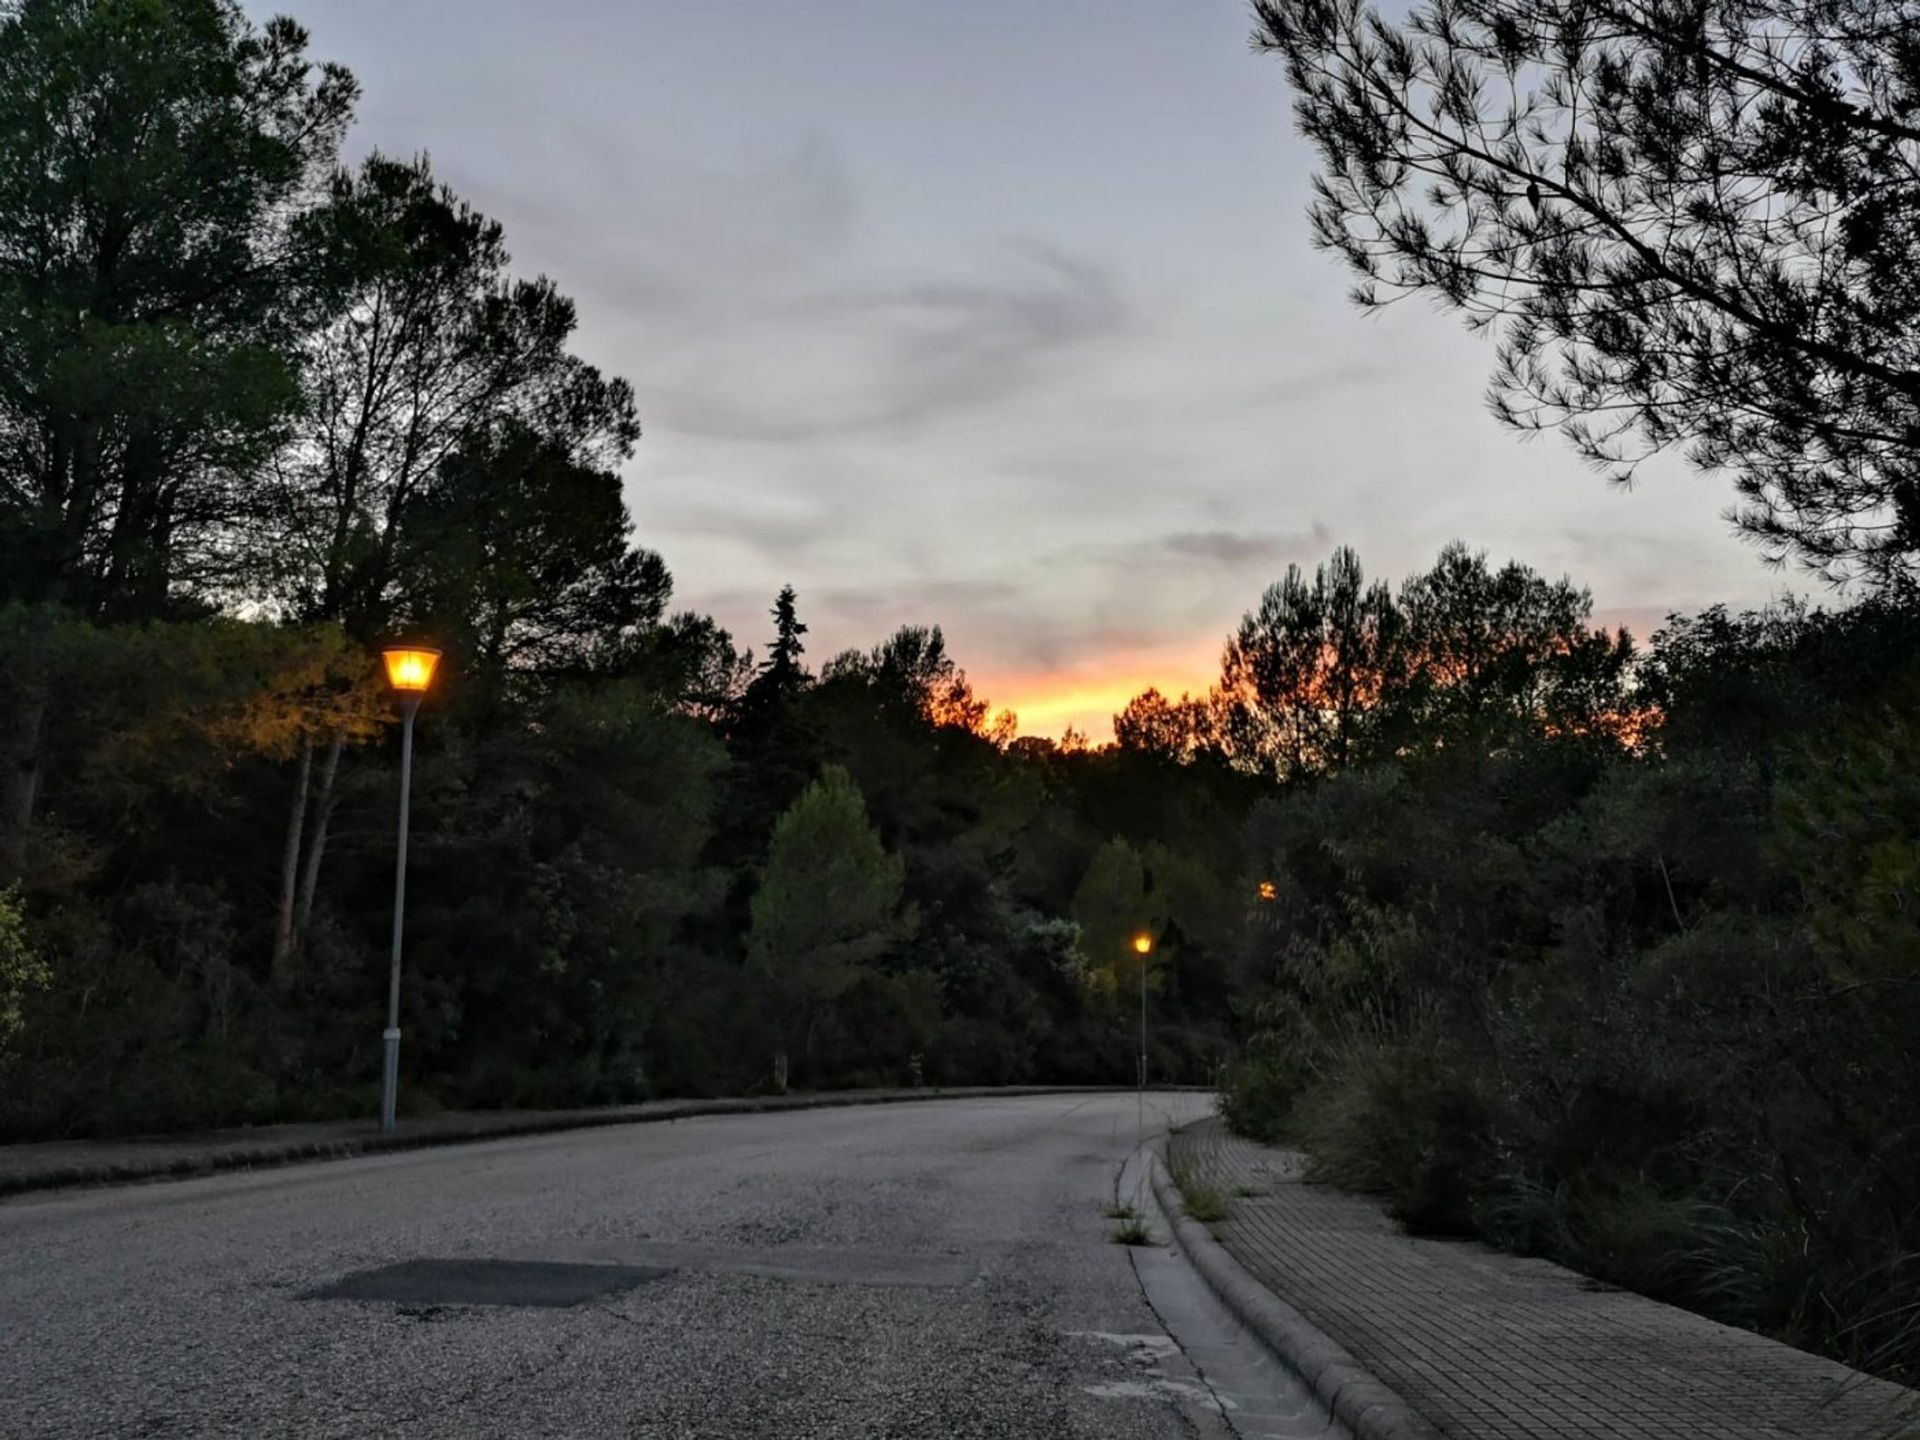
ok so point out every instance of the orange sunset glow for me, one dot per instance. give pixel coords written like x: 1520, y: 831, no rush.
x: 1087, y: 695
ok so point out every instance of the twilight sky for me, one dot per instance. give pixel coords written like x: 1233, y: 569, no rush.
x: 998, y: 315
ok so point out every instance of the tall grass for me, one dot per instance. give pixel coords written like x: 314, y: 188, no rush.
x: 1448, y: 1145
x: 1200, y: 1197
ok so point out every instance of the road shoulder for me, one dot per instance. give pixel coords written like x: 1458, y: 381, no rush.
x: 1448, y: 1338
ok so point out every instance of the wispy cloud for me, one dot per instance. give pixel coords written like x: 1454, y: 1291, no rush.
x: 756, y: 312
x: 978, y: 335
x: 1228, y: 547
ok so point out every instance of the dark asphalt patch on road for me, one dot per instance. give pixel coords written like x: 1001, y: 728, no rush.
x: 487, y: 1282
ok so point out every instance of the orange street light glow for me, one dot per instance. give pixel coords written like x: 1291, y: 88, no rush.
x: 1142, y: 944
x: 410, y: 669
x: 1267, y: 890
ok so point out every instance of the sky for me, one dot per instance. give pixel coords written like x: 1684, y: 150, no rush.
x: 997, y: 315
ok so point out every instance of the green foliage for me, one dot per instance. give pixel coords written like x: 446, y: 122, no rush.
x: 1404, y: 1121
x: 21, y: 971
x: 238, y: 379
x: 1647, y: 1011
x: 1199, y: 1197
x: 1259, y: 1086
x: 1301, y: 678
x: 831, y: 893
x: 155, y: 162
x: 1850, y: 813
x: 523, y: 558
x: 1334, y: 672
x: 451, y: 464
x: 1111, y: 906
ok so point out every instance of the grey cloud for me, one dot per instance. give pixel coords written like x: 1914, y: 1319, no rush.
x: 753, y: 315
x: 628, y: 227
x: 1233, y: 550
x: 1126, y: 596
x: 1236, y: 548
x: 912, y: 602
x: 1020, y: 626
x: 1360, y: 376
x: 855, y: 357
x: 772, y: 534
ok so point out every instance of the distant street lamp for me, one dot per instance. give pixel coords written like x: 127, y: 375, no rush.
x: 409, y: 671
x: 1143, y: 947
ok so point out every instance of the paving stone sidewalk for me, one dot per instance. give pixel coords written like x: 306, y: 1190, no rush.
x: 97, y: 1162
x: 1497, y: 1347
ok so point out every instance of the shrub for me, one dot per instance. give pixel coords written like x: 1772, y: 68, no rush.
x: 1406, y: 1122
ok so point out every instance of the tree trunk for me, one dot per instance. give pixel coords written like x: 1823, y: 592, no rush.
x: 317, y: 847
x: 290, y: 867
x: 20, y: 777
x: 779, y: 1072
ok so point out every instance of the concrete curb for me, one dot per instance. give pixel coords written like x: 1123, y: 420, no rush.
x: 1359, y: 1401
x: 241, y: 1155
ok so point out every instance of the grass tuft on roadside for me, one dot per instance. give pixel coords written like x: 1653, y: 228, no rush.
x: 1201, y: 1198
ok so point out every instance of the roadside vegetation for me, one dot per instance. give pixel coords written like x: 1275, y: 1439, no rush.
x: 1644, y: 1009
x: 1199, y: 1197
x: 261, y: 411
x: 1640, y: 996
x: 1597, y: 948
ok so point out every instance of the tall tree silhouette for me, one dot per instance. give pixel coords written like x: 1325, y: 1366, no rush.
x: 1692, y: 226
x: 767, y: 703
x: 157, y: 164
x: 782, y: 664
x: 452, y: 459
x: 526, y: 560
x: 158, y: 261
x: 1302, y: 677
x: 775, y: 741
x: 438, y: 348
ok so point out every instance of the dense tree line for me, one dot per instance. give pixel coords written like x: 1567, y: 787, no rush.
x: 260, y: 411
x: 1640, y: 1000
x: 1598, y: 952
x: 1621, y: 974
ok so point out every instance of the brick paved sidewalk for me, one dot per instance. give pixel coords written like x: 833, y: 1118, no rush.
x: 1496, y: 1347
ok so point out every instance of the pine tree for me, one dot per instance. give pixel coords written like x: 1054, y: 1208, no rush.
x: 782, y: 666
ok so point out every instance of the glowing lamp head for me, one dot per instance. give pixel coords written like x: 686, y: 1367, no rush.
x: 410, y: 668
x: 1142, y: 943
x: 1267, y: 890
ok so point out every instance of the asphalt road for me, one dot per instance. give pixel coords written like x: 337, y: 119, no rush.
x: 939, y: 1269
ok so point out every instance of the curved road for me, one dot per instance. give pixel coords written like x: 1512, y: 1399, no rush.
x: 938, y: 1269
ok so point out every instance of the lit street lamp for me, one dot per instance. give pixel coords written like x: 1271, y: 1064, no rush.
x: 409, y: 671
x: 1143, y: 947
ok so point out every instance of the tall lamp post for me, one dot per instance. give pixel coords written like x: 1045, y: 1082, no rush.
x: 1143, y: 947
x: 409, y: 671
